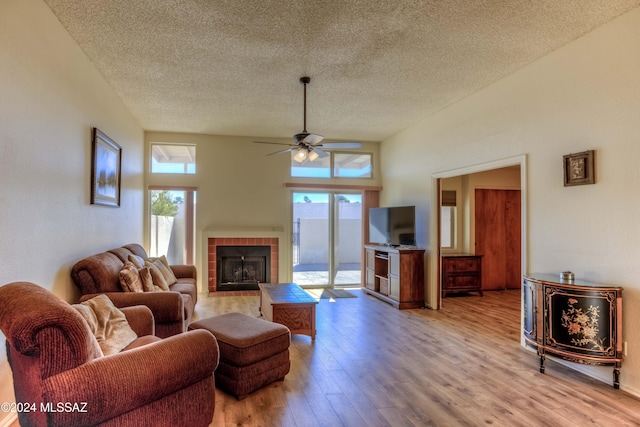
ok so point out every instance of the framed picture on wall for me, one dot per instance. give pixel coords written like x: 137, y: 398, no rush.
x: 106, y: 163
x: 578, y: 168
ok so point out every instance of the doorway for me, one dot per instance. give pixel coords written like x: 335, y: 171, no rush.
x: 465, y: 235
x: 327, y: 238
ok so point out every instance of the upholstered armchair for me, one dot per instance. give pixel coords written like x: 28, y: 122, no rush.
x: 172, y: 311
x: 58, y: 366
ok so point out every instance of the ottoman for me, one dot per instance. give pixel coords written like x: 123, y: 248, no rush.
x: 253, y: 352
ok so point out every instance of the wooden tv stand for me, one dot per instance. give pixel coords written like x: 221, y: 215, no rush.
x: 395, y: 275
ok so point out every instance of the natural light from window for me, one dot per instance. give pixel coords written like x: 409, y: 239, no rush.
x: 447, y: 224
x: 345, y: 165
x: 448, y: 212
x: 318, y: 168
x: 350, y: 165
x: 173, y: 158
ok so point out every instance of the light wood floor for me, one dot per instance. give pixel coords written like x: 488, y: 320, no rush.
x: 372, y: 365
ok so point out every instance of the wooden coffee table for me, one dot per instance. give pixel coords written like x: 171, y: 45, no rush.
x: 289, y: 305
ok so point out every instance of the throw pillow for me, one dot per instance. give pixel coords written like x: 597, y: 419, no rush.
x: 130, y: 278
x: 138, y: 261
x: 147, y: 280
x: 166, y: 270
x: 156, y: 275
x: 108, y: 324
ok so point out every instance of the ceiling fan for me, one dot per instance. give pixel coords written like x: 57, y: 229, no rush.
x: 308, y: 145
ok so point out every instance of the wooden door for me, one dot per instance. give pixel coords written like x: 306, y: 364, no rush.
x: 498, y: 237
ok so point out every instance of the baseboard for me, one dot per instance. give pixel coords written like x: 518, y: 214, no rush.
x: 599, y: 373
x: 632, y: 391
x: 590, y: 371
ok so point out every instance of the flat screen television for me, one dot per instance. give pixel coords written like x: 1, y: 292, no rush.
x: 393, y: 226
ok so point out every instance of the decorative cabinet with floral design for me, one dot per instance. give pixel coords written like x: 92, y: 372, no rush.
x: 578, y: 321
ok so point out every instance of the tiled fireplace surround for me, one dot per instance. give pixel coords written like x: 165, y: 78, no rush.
x: 214, y: 242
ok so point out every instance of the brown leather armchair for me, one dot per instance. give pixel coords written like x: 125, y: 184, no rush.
x: 58, y: 367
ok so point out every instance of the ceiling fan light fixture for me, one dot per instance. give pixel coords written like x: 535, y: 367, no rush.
x: 300, y: 156
x: 313, y: 155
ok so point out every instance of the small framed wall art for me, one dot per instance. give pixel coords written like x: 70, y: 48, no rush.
x: 578, y: 168
x: 106, y: 163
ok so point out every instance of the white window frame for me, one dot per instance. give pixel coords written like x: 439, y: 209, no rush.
x: 332, y: 175
x: 184, y: 154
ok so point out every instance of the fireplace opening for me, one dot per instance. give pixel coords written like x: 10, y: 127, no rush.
x: 242, y: 267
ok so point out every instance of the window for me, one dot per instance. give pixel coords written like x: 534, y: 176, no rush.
x: 335, y: 165
x: 318, y: 168
x: 173, y: 158
x: 447, y: 224
x: 448, y: 220
x: 171, y: 223
x: 347, y: 165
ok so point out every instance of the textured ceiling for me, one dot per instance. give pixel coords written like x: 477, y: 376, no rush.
x: 232, y: 67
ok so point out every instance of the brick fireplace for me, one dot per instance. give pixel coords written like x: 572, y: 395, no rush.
x: 215, y: 242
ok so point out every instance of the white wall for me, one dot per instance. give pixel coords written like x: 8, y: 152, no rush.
x: 51, y: 97
x: 583, y: 96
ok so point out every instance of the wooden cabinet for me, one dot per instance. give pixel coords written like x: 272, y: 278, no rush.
x: 461, y: 273
x: 578, y: 321
x: 370, y: 272
x: 395, y: 275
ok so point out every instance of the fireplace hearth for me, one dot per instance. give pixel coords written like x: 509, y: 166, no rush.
x: 242, y: 267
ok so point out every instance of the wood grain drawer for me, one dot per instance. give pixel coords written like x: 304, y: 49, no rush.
x: 461, y: 264
x: 462, y: 282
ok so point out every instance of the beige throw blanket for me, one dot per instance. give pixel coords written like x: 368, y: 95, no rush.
x: 108, y: 324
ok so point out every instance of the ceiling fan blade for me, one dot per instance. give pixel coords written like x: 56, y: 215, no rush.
x: 281, y: 151
x: 321, y: 154
x: 269, y: 142
x: 312, y: 139
x: 349, y: 145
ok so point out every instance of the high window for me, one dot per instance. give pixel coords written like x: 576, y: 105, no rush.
x: 335, y: 165
x: 173, y: 158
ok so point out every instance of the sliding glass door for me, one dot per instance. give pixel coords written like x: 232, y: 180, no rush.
x: 347, y: 234
x: 327, y: 238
